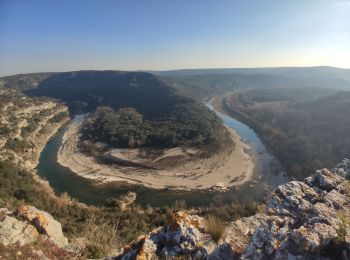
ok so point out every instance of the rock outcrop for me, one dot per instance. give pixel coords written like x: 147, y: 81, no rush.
x: 302, y: 220
x: 28, y: 224
x: 124, y: 202
x: 26, y: 126
x: 185, y: 234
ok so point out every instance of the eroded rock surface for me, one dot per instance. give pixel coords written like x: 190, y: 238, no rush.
x: 302, y: 220
x: 184, y: 235
x: 27, y: 224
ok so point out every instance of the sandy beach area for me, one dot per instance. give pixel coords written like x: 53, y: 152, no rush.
x: 229, y: 168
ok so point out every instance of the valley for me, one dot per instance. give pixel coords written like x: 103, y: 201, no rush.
x: 66, y: 180
x: 302, y: 127
x: 175, y: 130
x: 142, y: 159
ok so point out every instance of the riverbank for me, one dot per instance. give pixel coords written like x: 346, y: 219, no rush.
x: 218, y: 103
x: 226, y: 169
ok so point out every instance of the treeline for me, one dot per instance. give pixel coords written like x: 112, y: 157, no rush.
x: 306, y: 129
x: 187, y: 125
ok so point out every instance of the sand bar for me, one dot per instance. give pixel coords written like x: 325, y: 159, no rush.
x: 225, y: 169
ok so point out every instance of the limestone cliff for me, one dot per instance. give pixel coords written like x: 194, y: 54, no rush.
x: 302, y: 219
x: 26, y: 124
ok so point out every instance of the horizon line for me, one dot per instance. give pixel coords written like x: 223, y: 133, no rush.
x: 175, y: 69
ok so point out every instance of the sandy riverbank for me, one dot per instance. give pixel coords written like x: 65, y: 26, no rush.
x: 229, y: 168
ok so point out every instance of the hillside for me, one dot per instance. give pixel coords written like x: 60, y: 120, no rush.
x: 304, y: 128
x: 108, y: 79
x: 25, y: 126
x: 171, y: 118
x: 22, y: 82
x: 302, y: 220
x: 199, y: 83
x: 220, y: 81
x: 299, y: 72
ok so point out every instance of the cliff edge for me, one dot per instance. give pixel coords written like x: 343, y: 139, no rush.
x: 302, y: 220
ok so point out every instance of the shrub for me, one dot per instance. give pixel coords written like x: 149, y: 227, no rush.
x: 102, y: 238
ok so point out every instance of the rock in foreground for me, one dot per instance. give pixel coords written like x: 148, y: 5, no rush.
x: 303, y: 219
x: 27, y: 224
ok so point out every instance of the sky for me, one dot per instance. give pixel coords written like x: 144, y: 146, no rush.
x: 63, y: 35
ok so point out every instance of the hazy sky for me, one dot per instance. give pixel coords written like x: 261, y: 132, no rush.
x: 168, y: 34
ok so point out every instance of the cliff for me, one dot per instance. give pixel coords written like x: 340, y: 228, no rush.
x: 302, y: 219
x: 26, y: 124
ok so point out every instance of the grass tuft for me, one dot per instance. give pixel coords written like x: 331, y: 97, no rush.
x: 214, y: 227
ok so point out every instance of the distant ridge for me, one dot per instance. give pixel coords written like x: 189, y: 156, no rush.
x: 313, y: 71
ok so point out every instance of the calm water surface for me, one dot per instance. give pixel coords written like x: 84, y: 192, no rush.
x: 64, y: 180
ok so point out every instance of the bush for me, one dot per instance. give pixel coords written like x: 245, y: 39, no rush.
x: 16, y: 145
x: 58, y: 117
x: 102, y: 238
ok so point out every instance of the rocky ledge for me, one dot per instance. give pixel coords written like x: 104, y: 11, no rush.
x: 29, y: 233
x: 28, y: 224
x: 303, y: 220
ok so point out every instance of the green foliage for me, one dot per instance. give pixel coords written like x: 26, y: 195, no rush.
x: 165, y: 116
x: 5, y: 131
x: 33, y: 124
x: 58, y: 117
x: 16, y: 145
x: 187, y: 126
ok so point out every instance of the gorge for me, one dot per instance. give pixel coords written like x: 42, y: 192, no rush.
x: 127, y: 209
x: 62, y: 179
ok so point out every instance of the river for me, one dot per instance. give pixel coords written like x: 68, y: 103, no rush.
x: 62, y: 179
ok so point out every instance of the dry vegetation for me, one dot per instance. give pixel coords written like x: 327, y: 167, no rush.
x: 214, y: 227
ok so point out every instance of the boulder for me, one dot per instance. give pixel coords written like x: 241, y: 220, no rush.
x: 184, y: 235
x: 224, y: 251
x: 27, y: 224
x: 13, y: 231
x: 124, y: 202
x: 239, y: 233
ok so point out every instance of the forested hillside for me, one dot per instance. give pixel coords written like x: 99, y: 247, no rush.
x: 306, y: 129
x: 162, y: 113
x: 187, y: 125
x: 22, y: 82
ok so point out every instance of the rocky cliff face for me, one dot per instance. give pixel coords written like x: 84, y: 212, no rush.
x: 27, y: 224
x: 302, y: 220
x: 26, y: 124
